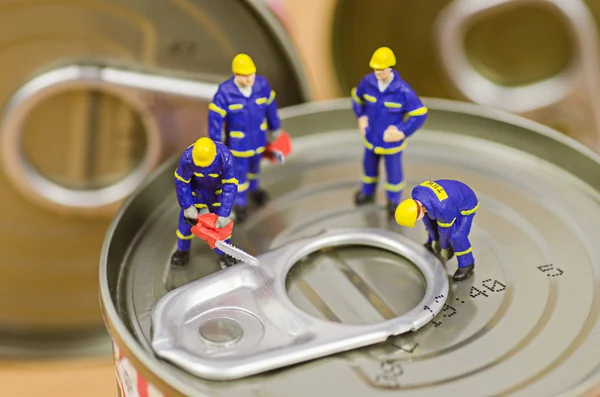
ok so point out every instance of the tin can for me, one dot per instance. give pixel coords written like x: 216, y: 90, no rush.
x: 94, y: 97
x: 526, y: 323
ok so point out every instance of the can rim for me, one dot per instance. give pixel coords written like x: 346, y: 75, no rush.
x: 112, y: 317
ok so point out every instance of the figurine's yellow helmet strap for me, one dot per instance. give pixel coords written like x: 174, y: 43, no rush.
x: 243, y: 64
x: 204, y: 152
x: 407, y: 212
x: 382, y: 58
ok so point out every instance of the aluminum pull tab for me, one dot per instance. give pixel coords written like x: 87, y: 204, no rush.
x: 240, y: 321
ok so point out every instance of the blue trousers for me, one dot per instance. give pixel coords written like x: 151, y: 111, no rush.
x: 248, y: 175
x: 458, y: 239
x: 184, y: 233
x: 394, y: 175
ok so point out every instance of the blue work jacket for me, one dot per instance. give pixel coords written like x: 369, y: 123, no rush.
x: 397, y: 105
x: 245, y: 121
x: 446, y: 201
x: 218, y: 180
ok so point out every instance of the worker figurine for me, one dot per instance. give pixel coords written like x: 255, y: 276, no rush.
x: 388, y: 113
x: 447, y: 208
x: 243, y: 115
x: 205, y: 182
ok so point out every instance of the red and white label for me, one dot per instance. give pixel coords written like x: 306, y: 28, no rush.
x: 130, y: 381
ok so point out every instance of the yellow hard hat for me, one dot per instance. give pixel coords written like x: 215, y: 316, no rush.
x: 204, y: 152
x: 407, y: 212
x: 243, y: 64
x: 382, y: 58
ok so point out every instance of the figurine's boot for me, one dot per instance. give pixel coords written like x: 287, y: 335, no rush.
x: 462, y: 273
x: 391, y: 208
x: 434, y: 246
x: 180, y: 258
x: 241, y: 213
x: 447, y: 253
x: 226, y: 261
x: 361, y: 198
x: 259, y: 196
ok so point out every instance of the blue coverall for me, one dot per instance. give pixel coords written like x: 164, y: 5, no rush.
x: 450, y: 207
x: 209, y: 189
x: 241, y: 123
x: 390, y: 107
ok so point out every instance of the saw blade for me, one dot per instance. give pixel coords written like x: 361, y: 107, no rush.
x: 236, y: 253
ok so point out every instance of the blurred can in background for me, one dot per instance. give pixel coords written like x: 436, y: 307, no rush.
x: 94, y: 96
x: 536, y: 58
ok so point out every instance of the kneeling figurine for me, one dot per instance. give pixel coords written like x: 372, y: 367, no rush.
x: 206, y: 187
x: 447, y: 208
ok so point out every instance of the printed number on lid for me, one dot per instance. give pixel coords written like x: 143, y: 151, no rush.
x: 437, y: 189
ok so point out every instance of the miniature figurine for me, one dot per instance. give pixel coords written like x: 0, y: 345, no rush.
x: 388, y: 113
x: 447, y: 208
x: 241, y: 113
x: 205, y: 183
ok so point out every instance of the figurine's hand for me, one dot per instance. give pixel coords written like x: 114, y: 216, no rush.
x: 363, y: 123
x: 393, y: 134
x: 222, y: 222
x: 273, y: 135
x: 191, y: 213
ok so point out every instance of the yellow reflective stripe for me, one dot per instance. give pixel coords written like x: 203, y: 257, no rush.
x: 236, y: 106
x: 260, y: 150
x: 246, y: 153
x: 464, y: 252
x: 439, y: 191
x: 243, y: 187
x: 180, y: 178
x: 216, y: 204
x: 271, y: 97
x: 263, y: 126
x: 181, y: 236
x: 370, y: 98
x: 213, y: 175
x: 393, y: 150
x: 201, y: 175
x: 237, y: 134
x: 355, y: 97
x: 446, y: 224
x: 252, y: 176
x: 260, y: 101
x: 418, y: 112
x: 369, y: 179
x: 200, y: 205
x: 471, y: 211
x: 367, y: 144
x: 395, y: 187
x: 217, y: 109
x: 232, y: 180
x: 219, y: 191
x: 193, y: 193
x: 394, y: 105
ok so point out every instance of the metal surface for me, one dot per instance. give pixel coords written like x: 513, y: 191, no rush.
x: 577, y: 86
x: 94, y: 95
x: 525, y: 324
x: 280, y: 334
x: 236, y: 253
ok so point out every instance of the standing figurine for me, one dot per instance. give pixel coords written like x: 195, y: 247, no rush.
x: 447, y: 208
x: 388, y: 112
x: 205, y: 182
x: 241, y: 113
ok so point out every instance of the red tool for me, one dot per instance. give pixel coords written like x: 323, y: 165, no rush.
x: 277, y: 151
x: 206, y: 229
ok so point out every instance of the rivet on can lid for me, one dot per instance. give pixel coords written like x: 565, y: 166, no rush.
x: 221, y: 331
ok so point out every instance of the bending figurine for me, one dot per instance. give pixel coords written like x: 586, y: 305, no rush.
x: 388, y: 113
x: 447, y: 208
x: 205, y: 182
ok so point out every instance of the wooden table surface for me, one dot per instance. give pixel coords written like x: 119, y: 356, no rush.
x: 92, y: 377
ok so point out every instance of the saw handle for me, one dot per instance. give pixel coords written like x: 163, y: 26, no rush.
x: 206, y: 229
